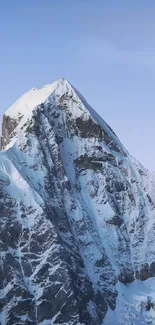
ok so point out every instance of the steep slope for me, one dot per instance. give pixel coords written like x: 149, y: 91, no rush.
x: 76, y: 214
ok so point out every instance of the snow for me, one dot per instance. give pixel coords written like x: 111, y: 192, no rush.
x: 101, y: 122
x: 18, y: 187
x: 26, y: 103
x: 131, y: 304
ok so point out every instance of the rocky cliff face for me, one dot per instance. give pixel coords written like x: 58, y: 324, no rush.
x: 8, y: 126
x: 77, y: 213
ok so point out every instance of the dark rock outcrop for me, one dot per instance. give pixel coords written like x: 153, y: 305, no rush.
x: 8, y: 126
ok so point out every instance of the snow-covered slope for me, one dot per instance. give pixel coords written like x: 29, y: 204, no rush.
x: 77, y: 217
x: 26, y: 103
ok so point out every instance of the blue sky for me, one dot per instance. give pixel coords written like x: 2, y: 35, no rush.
x: 105, y: 48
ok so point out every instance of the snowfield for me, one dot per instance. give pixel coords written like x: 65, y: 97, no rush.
x: 134, y: 305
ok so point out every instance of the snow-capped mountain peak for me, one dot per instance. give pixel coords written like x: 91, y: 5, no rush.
x: 77, y: 221
x: 26, y: 103
x: 22, y: 110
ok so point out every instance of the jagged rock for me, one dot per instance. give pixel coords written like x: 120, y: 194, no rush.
x: 152, y: 269
x: 116, y: 221
x: 126, y: 277
x: 8, y: 126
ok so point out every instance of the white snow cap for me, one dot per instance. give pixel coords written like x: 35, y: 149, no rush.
x: 26, y: 103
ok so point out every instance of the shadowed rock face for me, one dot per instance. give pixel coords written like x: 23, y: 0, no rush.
x: 8, y: 126
x: 76, y: 215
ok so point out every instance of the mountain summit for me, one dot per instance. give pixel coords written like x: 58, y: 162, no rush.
x: 77, y: 217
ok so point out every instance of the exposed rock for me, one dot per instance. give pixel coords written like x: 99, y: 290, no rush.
x: 126, y: 277
x: 116, y: 221
x: 8, y: 126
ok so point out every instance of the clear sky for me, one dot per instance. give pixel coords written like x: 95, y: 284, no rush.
x: 105, y: 48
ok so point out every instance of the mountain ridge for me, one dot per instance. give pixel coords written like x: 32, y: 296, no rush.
x: 81, y: 214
